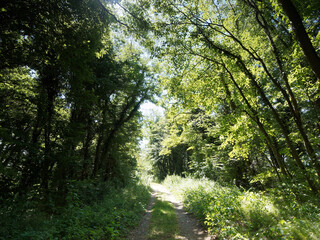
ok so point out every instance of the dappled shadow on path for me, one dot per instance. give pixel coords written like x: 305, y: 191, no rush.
x: 190, y: 228
x: 141, y: 232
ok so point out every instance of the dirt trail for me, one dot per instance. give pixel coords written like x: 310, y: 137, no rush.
x: 189, y: 227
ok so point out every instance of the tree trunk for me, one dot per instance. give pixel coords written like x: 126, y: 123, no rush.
x: 85, y: 151
x: 289, y: 97
x: 302, y: 36
x: 49, y: 83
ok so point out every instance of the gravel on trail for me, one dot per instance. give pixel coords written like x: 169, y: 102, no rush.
x: 189, y: 227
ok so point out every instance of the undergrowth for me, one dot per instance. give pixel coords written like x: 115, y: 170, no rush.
x: 93, y: 211
x: 231, y: 213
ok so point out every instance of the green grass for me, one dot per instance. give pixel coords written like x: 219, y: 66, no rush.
x: 229, y: 213
x: 163, y: 222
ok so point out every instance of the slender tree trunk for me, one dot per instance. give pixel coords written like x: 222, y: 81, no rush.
x: 273, y: 162
x: 85, y: 151
x: 101, y: 132
x: 124, y: 117
x: 97, y: 157
x: 51, y: 91
x: 256, y: 119
x: 31, y: 169
x: 302, y: 36
x: 283, y: 128
x: 289, y: 97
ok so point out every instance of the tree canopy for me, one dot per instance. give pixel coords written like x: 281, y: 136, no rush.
x: 247, y: 68
x: 239, y: 80
x: 69, y: 99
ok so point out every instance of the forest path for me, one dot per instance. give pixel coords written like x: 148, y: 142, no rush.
x: 189, y: 227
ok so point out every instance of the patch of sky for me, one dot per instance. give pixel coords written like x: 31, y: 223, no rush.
x: 149, y: 109
x: 33, y: 73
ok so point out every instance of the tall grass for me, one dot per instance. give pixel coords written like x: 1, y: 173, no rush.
x: 231, y: 213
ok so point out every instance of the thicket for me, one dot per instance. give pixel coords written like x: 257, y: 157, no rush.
x: 70, y: 92
x: 230, y: 212
x: 94, y: 210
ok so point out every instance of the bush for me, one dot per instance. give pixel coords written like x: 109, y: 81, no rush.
x: 230, y: 213
x: 108, y: 216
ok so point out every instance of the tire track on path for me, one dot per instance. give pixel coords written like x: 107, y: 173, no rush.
x: 189, y: 227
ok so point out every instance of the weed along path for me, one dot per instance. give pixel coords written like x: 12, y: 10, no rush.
x: 166, y: 219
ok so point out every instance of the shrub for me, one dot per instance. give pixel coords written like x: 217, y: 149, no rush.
x: 230, y: 213
x: 108, y: 216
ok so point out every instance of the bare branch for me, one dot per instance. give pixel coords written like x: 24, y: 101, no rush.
x: 112, y: 15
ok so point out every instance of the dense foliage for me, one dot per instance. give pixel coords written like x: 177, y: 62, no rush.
x: 164, y: 164
x: 95, y: 210
x: 229, y: 213
x: 241, y: 93
x: 240, y: 84
x: 70, y: 92
x: 69, y: 103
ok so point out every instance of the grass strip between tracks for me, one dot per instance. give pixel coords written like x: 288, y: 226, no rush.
x: 163, y: 223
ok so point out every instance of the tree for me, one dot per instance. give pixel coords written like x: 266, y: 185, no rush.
x: 242, y: 52
x: 71, y: 99
x: 301, y: 35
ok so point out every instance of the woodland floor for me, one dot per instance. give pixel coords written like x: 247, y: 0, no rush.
x: 189, y: 227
